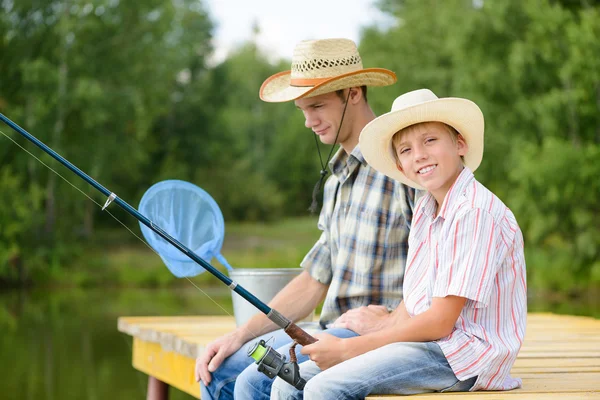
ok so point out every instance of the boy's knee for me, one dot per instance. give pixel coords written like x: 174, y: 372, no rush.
x: 321, y: 388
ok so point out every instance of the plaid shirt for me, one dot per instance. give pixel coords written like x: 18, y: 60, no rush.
x: 361, y: 253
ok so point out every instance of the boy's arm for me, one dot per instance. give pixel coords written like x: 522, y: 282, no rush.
x: 435, y: 323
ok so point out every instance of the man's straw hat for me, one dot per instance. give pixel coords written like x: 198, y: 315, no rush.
x: 323, y: 66
x: 415, y: 107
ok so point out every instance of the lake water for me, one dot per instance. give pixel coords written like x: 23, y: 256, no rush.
x: 64, y: 344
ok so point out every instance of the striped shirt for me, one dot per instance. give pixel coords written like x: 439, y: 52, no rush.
x: 472, y: 249
x: 361, y: 253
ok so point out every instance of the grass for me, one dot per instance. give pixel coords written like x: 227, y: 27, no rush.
x: 112, y: 262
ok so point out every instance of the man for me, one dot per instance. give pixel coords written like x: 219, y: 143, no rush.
x: 359, y: 258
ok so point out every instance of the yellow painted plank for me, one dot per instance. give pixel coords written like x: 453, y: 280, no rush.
x: 169, y: 367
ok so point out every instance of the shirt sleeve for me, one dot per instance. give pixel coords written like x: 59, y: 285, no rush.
x: 467, y: 258
x: 318, y: 260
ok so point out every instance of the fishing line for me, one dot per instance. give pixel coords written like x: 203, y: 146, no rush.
x: 117, y: 219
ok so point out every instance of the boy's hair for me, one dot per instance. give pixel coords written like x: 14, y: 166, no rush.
x: 340, y: 93
x: 398, y: 135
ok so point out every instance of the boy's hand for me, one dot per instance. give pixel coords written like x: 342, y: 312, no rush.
x: 327, y: 351
x: 364, y: 320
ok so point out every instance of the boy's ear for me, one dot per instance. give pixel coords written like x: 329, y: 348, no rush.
x: 399, y: 166
x: 461, y: 145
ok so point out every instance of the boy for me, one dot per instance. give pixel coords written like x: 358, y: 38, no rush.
x: 462, y: 320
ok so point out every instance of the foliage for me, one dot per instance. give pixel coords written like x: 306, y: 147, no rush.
x: 125, y: 90
x: 533, y: 67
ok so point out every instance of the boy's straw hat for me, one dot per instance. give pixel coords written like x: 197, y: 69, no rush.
x: 323, y: 66
x: 412, y: 108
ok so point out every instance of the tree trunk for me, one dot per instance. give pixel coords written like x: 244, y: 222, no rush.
x: 88, y: 217
x: 572, y: 117
x: 598, y: 114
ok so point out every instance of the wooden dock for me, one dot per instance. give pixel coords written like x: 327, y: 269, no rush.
x: 560, y: 358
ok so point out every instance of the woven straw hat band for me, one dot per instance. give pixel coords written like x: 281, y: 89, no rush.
x: 315, y: 61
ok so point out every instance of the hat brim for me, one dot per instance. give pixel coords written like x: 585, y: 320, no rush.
x: 277, y: 88
x: 375, y: 140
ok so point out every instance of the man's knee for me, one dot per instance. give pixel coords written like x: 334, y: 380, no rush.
x: 251, y: 384
x: 283, y: 390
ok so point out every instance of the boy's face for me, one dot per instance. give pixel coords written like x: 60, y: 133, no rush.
x: 430, y: 156
x: 323, y: 114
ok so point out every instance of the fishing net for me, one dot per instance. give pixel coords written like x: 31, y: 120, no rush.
x: 188, y: 214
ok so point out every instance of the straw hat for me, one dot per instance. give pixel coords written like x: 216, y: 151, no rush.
x: 323, y: 66
x: 412, y: 108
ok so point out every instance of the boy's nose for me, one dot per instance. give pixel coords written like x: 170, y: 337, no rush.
x: 419, y: 153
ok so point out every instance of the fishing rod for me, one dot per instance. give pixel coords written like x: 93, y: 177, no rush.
x: 259, y: 352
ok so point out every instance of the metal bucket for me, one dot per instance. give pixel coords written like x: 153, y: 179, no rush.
x: 263, y: 283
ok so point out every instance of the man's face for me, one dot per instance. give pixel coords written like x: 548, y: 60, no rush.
x: 322, y: 115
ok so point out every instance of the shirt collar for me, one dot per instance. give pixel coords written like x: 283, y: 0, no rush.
x: 452, y: 197
x: 343, y: 164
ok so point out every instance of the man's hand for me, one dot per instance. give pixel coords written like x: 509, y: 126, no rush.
x: 214, y: 354
x: 364, y: 320
x: 327, y: 351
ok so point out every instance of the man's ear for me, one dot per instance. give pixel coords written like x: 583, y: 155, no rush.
x: 355, y: 95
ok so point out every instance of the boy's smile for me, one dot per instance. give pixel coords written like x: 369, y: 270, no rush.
x: 430, y: 155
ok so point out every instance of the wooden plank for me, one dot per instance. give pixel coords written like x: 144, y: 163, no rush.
x: 560, y: 354
x: 541, y: 384
x: 169, y: 367
x: 496, y: 396
x: 557, y: 362
x: 560, y: 357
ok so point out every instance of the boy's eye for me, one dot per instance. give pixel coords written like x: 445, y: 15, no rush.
x: 404, y: 150
x: 431, y: 139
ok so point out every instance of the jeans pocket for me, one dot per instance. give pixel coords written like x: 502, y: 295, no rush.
x: 461, y: 386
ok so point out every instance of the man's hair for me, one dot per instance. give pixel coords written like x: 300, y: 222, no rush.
x: 397, y: 136
x: 340, y: 93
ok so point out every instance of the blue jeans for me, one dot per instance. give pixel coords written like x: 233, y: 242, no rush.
x: 238, y: 374
x: 397, y: 368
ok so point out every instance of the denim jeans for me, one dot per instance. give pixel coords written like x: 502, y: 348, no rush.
x: 397, y: 368
x: 238, y: 374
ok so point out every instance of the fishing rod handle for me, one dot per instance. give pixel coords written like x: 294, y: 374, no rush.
x: 293, y: 330
x: 299, y: 334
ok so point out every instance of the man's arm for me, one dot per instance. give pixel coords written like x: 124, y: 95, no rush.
x: 435, y: 323
x: 372, y: 318
x: 295, y: 301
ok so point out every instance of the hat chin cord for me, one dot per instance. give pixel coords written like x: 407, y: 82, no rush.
x: 315, y: 204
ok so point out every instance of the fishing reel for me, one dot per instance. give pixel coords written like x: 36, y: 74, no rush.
x: 273, y: 364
